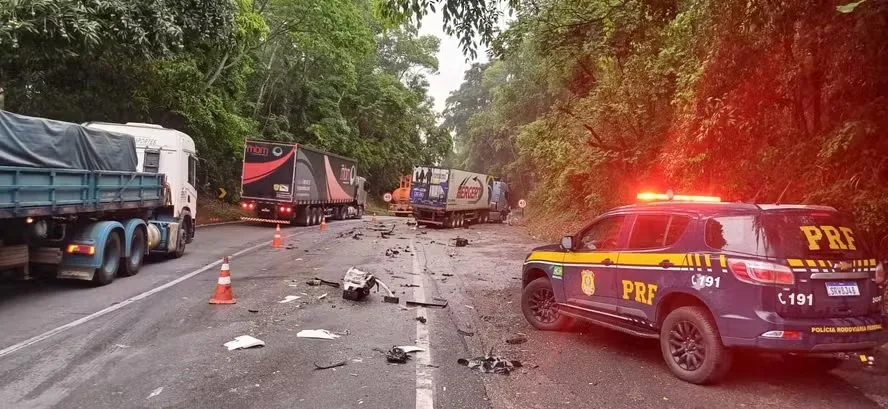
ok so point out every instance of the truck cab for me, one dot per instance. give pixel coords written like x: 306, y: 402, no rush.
x: 170, y: 152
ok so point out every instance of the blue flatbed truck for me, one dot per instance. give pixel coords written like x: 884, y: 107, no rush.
x: 86, y: 224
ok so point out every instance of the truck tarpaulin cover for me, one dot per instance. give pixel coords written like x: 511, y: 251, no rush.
x: 44, y: 143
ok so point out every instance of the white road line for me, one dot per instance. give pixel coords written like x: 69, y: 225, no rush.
x: 425, y: 391
x: 31, y: 341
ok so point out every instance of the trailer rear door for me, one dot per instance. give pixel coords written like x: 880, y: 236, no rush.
x: 268, y: 171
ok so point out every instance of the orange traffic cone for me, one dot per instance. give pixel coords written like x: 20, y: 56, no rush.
x: 223, y: 287
x: 277, y: 242
x: 323, y: 224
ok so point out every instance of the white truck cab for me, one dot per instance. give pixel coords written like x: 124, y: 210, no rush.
x: 167, y: 151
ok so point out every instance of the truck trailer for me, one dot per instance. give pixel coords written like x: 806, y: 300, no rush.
x: 76, y: 203
x: 450, y: 197
x: 288, y: 183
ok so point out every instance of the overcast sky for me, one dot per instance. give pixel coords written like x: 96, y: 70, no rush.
x: 451, y: 62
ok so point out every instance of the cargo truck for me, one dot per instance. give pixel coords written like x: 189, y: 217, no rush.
x: 288, y: 183
x: 450, y: 197
x: 79, y: 202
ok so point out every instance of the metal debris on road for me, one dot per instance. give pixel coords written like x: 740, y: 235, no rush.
x: 490, y: 364
x: 397, y: 355
x: 357, y: 284
x: 427, y: 304
x: 465, y: 333
x: 289, y: 298
x: 155, y: 392
x: 461, y: 242
x: 316, y: 334
x: 253, y: 310
x: 322, y: 296
x: 422, y: 319
x: 318, y: 282
x: 411, y: 349
x: 242, y: 342
x: 519, y: 339
x: 447, y: 274
x: 333, y: 365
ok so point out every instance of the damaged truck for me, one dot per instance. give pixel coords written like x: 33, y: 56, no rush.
x: 89, y: 202
x: 288, y: 183
x: 455, y: 198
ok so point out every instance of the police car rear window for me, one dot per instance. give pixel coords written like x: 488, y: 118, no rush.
x: 787, y: 234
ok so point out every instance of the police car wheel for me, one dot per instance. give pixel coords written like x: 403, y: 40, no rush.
x: 540, y: 309
x: 691, y: 346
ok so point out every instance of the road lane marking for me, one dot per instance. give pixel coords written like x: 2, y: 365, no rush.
x: 425, y: 391
x: 31, y: 341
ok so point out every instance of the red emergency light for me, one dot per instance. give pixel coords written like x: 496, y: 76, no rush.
x: 668, y: 196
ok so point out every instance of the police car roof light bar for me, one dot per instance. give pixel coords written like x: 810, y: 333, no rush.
x: 649, y: 196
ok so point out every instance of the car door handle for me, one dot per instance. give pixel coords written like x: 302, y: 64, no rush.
x: 607, y: 262
x: 666, y: 264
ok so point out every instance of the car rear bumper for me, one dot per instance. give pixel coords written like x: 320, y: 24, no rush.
x: 821, y: 335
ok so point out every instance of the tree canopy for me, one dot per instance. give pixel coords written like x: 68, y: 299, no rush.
x: 588, y: 102
x: 329, y: 73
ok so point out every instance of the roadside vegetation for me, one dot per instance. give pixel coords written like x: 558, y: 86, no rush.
x: 329, y: 73
x: 584, y: 103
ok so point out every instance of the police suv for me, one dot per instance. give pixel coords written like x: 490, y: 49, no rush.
x: 706, y: 277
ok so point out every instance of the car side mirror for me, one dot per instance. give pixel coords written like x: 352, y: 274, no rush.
x: 567, y: 242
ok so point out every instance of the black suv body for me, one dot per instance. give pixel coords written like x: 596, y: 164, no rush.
x: 706, y: 278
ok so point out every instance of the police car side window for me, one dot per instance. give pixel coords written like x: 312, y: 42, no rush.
x: 657, y: 231
x: 603, y: 235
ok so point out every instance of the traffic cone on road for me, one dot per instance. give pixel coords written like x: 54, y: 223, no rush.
x: 278, y: 242
x: 223, y: 287
x: 323, y: 224
x: 373, y: 219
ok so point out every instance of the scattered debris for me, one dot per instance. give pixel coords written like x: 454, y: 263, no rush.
x: 388, y: 298
x: 290, y: 247
x: 461, y: 242
x: 322, y: 296
x: 447, y: 274
x: 155, y: 392
x: 253, y: 310
x: 411, y: 222
x: 298, y: 259
x: 121, y: 346
x: 422, y: 319
x: 465, y: 333
x: 469, y: 307
x: 427, y: 304
x: 411, y: 348
x: 409, y: 285
x: 319, y: 281
x: 333, y: 365
x: 357, y: 284
x: 316, y: 334
x: 490, y: 364
x: 242, y: 342
x: 289, y: 298
x: 391, y: 253
x: 519, y: 339
x: 397, y: 355
x: 346, y: 332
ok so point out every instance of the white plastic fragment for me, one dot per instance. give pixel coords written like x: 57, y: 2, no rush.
x: 155, y: 392
x: 316, y: 334
x: 289, y: 298
x: 243, y: 341
x: 411, y: 348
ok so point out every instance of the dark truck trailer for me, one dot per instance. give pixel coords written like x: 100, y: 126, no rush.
x: 287, y: 183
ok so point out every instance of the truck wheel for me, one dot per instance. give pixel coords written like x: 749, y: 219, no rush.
x: 110, y: 261
x: 692, y: 347
x: 303, y: 216
x: 448, y: 221
x: 132, y: 263
x: 316, y: 220
x: 540, y: 309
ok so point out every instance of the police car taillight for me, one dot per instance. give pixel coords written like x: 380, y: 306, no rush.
x: 783, y: 334
x: 880, y: 274
x: 760, y: 272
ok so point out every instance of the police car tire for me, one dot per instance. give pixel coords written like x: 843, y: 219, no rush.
x: 717, y: 361
x: 562, y: 323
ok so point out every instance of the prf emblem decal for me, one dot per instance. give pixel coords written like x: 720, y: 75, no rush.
x: 557, y: 271
x: 588, y: 280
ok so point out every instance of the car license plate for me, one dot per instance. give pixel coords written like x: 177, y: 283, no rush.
x: 842, y: 289
x: 266, y: 210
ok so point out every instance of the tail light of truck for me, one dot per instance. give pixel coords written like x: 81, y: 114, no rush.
x: 880, y: 274
x: 81, y: 249
x: 247, y: 205
x: 285, y: 209
x: 761, y: 273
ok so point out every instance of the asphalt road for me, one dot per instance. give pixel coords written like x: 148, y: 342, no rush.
x: 67, y: 345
